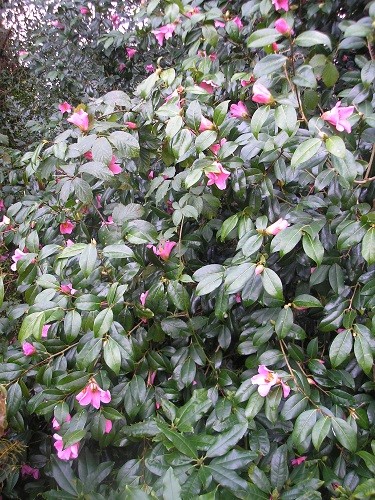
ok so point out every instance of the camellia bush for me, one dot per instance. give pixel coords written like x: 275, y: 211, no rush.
x: 188, y: 269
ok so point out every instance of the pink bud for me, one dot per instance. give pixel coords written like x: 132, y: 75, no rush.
x: 283, y: 27
x: 28, y: 349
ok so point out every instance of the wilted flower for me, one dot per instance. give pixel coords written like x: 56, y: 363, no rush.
x: 337, y: 117
x: 283, y: 27
x: 81, y: 119
x: 18, y: 254
x: 298, y: 461
x: 69, y: 452
x: 218, y: 176
x: 68, y: 289
x: 56, y: 24
x: 115, y: 18
x: 131, y: 125
x: 191, y: 12
x: 164, y: 33
x: 239, y: 110
x: 205, y: 125
x: 149, y: 68
x: 27, y: 470
x: 277, y: 226
x: 246, y: 83
x: 108, y: 426
x: 131, y: 52
x: 121, y: 66
x: 143, y: 297
x: 84, y: 10
x: 88, y: 155
x: 151, y: 377
x: 2, y: 206
x: 281, y: 4
x: 261, y: 94
x: 219, y: 24
x: 93, y: 394
x: 208, y: 85
x: 114, y: 167
x: 163, y: 250
x: 216, y: 147
x: 65, y: 107
x: 28, y: 349
x: 67, y: 227
x: 56, y: 425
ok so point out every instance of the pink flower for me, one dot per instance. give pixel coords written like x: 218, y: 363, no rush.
x: 216, y: 147
x: 131, y: 52
x: 45, y: 331
x: 150, y: 175
x: 283, y: 27
x: 28, y: 349
x: 238, y: 298
x: 115, y: 18
x: 151, y: 377
x: 108, y: 222
x: 143, y: 298
x: 191, y: 12
x: 277, y: 226
x: 239, y: 110
x: 246, y: 83
x: 93, y: 394
x: 259, y: 269
x: 208, y: 85
x: 298, y: 461
x: 2, y: 206
x: 69, y: 243
x: 67, y: 227
x: 275, y: 47
x: 98, y: 199
x: 22, y: 53
x: 337, y: 117
x: 286, y: 389
x: 131, y: 125
x: 219, y: 24
x: 172, y: 95
x: 218, y: 176
x: 163, y: 250
x: 26, y: 470
x: 205, y: 125
x: 213, y: 56
x: 57, y: 24
x: 164, y: 33
x: 18, y: 254
x: 114, y: 167
x: 108, y: 426
x: 121, y: 67
x: 56, y: 425
x: 84, y: 10
x: 81, y: 119
x: 69, y: 452
x: 261, y: 94
x: 68, y: 289
x: 88, y: 155
x: 65, y: 107
x: 149, y: 68
x: 238, y: 22
x: 281, y: 4
x: 265, y: 380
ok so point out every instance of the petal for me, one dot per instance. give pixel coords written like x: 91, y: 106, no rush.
x: 258, y: 379
x: 95, y: 399
x: 105, y: 396
x: 263, y: 370
x: 264, y: 389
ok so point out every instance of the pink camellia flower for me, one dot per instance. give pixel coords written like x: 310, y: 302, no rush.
x: 67, y: 227
x: 261, y: 94
x: 68, y: 289
x: 108, y: 426
x: 84, y: 10
x: 18, y: 254
x: 191, y: 12
x: 238, y: 298
x: 259, y: 269
x: 121, y: 67
x: 246, y: 83
x: 131, y: 125
x: 277, y: 226
x: 163, y: 250
x: 2, y: 206
x: 131, y: 52
x: 45, y: 331
x: 109, y: 221
x: 218, y: 177
x: 286, y: 389
x: 28, y: 349
x: 93, y: 394
x: 88, y: 155
x: 298, y: 461
x: 265, y: 380
x: 56, y: 24
x: 205, y: 125
x: 208, y: 85
x: 164, y: 33
x: 69, y: 452
x: 151, y: 377
x: 114, y: 167
x: 22, y: 53
x: 27, y: 470
x: 219, y: 24
x: 239, y: 110
x: 216, y: 147
x: 149, y: 68
x: 213, y: 56
x: 115, y: 18
x: 56, y: 425
x: 275, y: 47
x: 283, y: 27
x: 238, y: 22
x: 151, y: 175
x: 65, y: 107
x: 337, y: 117
x: 281, y: 4
x: 143, y: 297
x: 81, y: 119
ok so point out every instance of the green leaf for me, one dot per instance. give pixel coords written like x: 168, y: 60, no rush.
x: 312, y: 38
x: 118, y: 251
x: 306, y: 301
x: 344, y: 433
x: 272, y: 283
x: 227, y: 478
x: 180, y: 441
x: 205, y: 140
x: 305, y: 151
x: 320, y: 431
x: 181, y: 143
x: 262, y: 37
x: 178, y: 295
x: 112, y: 355
x: 102, y: 150
x: 236, y: 277
x: 368, y: 246
x: 286, y: 240
x: 362, y: 352
x: 271, y: 63
x: 32, y: 325
x: 351, y: 235
x: 72, y: 251
x: 336, y: 146
x: 87, y: 259
x: 102, y: 322
x: 82, y: 190
x: 63, y: 475
x: 220, y: 112
x: 258, y: 119
x: 193, y: 410
x: 341, y: 348
x: 293, y: 406
x: 303, y: 427
x: 171, y: 486
x: 313, y: 248
x: 226, y: 440
x: 286, y: 118
x: 193, y: 115
x: 330, y: 74
x: 125, y: 143
x: 369, y: 460
x: 254, y: 405
x: 284, y: 322
x: 279, y: 467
